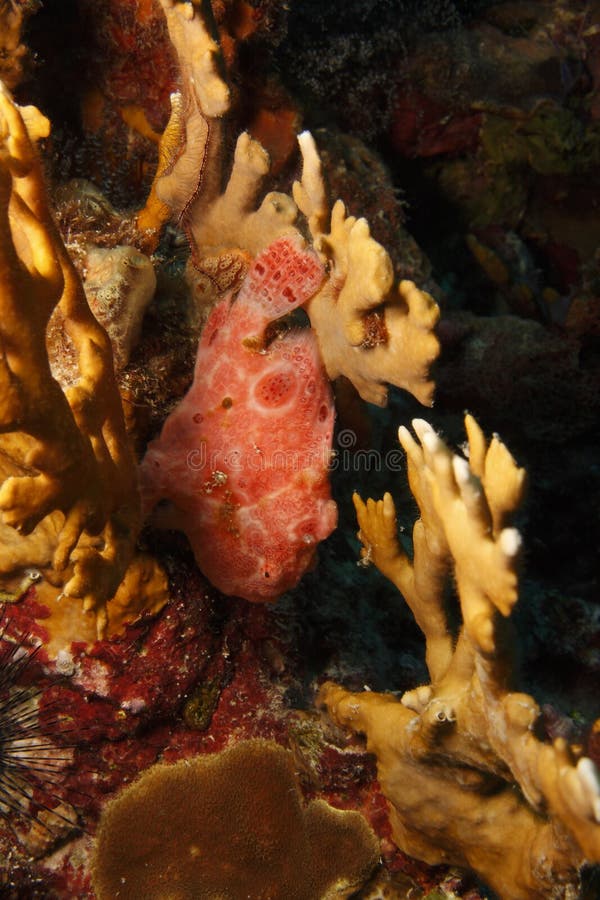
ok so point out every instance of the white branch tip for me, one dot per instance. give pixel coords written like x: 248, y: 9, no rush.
x: 510, y: 541
x: 431, y: 441
x: 422, y: 427
x: 589, y: 778
x: 462, y: 472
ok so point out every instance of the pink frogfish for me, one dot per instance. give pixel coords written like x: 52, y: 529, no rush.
x: 243, y: 460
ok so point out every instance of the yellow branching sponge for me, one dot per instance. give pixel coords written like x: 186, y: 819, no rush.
x: 231, y: 825
x: 369, y: 329
x: 68, y: 495
x: 468, y: 779
x: 226, y: 231
x: 225, y: 228
x: 13, y: 53
x: 190, y: 146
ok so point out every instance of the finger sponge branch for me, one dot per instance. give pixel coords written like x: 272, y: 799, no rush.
x: 468, y: 780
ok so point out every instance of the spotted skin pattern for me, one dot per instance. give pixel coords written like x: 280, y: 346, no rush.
x: 243, y: 460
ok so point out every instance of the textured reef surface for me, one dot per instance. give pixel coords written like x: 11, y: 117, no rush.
x: 150, y: 171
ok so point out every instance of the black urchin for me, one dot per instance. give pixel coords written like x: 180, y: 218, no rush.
x: 31, y: 763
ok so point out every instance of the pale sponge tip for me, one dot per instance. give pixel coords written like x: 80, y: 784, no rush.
x: 590, y: 781
x: 510, y: 541
x: 462, y: 472
x: 431, y: 441
x: 422, y: 427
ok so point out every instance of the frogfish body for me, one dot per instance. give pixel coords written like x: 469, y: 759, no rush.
x: 243, y: 460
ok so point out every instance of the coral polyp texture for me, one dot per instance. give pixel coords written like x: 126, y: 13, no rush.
x: 243, y: 458
x: 468, y: 778
x: 231, y: 824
